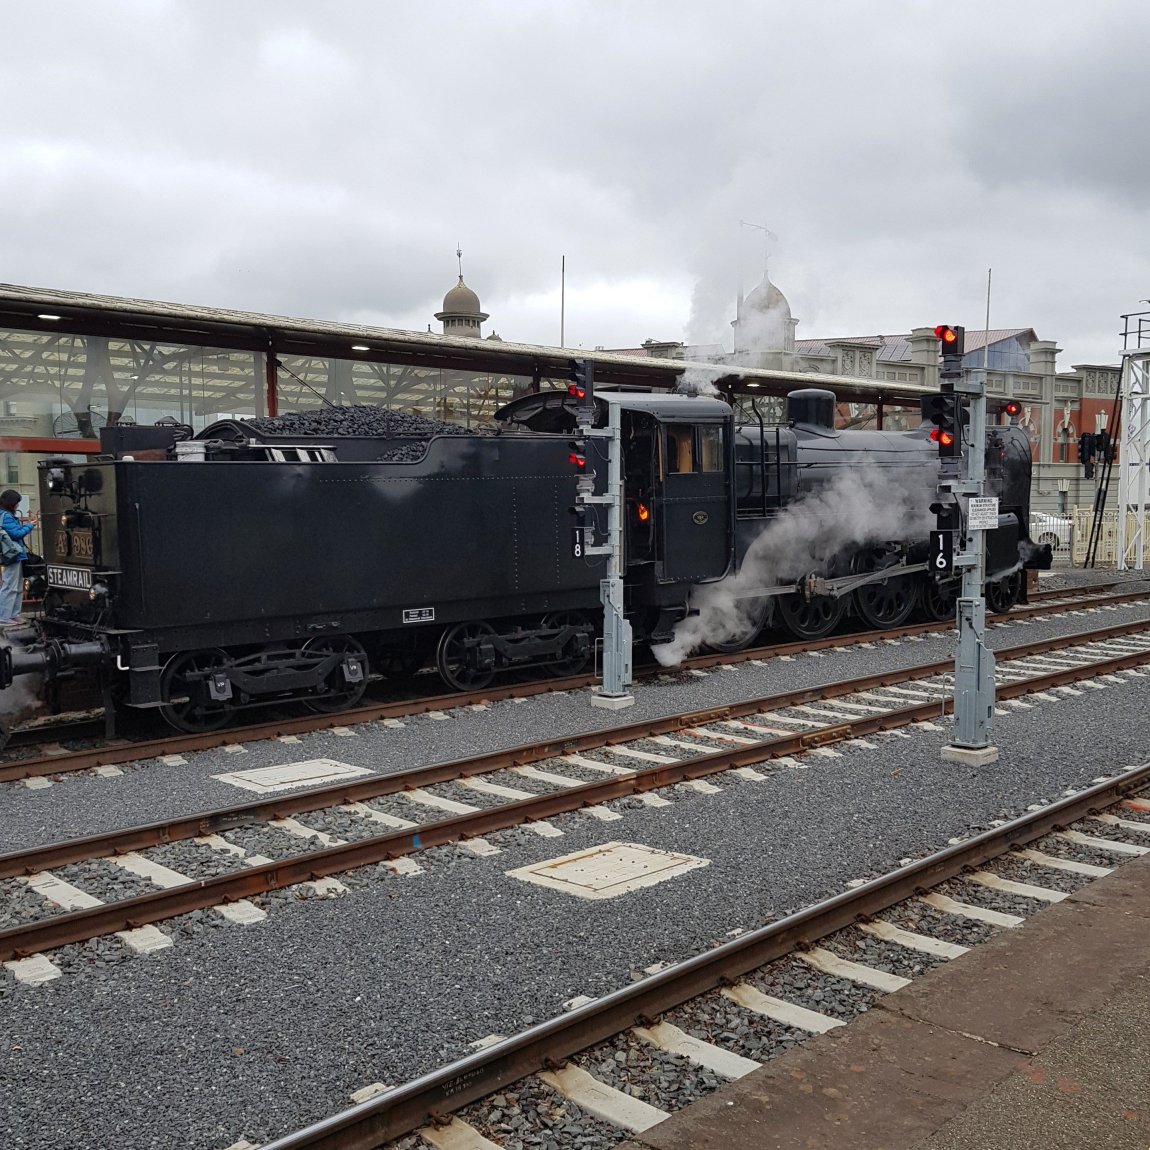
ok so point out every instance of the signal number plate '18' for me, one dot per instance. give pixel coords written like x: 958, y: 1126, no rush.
x: 78, y: 578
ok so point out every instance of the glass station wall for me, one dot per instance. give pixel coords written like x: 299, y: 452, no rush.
x: 60, y: 386
x: 464, y: 397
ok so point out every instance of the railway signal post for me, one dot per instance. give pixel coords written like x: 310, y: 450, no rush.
x: 963, y: 476
x: 617, y: 670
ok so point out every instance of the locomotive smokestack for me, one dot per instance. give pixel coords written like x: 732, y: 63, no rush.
x: 812, y: 407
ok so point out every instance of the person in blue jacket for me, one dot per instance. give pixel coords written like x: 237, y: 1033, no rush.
x: 12, y: 588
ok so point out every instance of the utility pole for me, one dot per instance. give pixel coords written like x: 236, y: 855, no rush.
x: 962, y: 478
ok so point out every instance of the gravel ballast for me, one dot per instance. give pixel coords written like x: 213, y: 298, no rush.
x: 85, y: 804
x: 248, y: 1032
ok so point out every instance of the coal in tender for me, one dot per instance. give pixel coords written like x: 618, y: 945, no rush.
x: 357, y: 419
x: 404, y: 453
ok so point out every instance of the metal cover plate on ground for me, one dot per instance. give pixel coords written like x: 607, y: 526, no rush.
x: 307, y: 773
x: 608, y: 870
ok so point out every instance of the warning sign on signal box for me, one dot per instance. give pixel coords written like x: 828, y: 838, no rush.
x: 982, y: 514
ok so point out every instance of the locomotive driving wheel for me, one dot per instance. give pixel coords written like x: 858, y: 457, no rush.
x: 811, y: 618
x: 570, y: 664
x: 938, y: 600
x: 184, y: 687
x: 753, y: 616
x: 1002, y: 594
x: 459, y: 659
x: 337, y: 692
x: 888, y: 603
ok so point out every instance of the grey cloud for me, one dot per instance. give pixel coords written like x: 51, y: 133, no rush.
x: 325, y: 161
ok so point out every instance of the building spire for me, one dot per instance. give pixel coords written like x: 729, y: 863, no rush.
x: 459, y: 256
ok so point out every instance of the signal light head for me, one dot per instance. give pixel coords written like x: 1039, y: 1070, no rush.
x: 1013, y: 408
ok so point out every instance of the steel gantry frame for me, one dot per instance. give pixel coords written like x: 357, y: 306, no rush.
x: 1134, y: 444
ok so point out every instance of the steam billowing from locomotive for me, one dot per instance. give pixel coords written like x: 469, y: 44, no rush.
x: 859, y: 506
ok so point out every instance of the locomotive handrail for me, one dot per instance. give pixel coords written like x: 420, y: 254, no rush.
x: 762, y: 453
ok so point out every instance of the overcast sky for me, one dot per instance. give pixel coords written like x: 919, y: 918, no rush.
x: 323, y: 160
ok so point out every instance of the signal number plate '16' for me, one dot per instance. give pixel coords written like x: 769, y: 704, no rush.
x: 942, y: 552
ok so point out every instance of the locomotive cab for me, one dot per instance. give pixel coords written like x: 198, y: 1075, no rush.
x: 677, y: 462
x: 693, y: 500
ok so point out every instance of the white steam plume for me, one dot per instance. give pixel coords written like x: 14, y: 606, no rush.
x: 862, y: 504
x: 700, y: 380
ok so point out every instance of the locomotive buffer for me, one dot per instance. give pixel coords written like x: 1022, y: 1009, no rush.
x: 617, y: 672
x: 974, y: 661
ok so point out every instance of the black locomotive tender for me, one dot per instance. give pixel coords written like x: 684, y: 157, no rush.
x: 265, y: 561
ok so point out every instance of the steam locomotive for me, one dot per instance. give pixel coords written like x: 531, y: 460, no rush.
x: 257, y: 564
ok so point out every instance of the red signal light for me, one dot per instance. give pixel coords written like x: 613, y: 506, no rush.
x: 575, y: 390
x: 1013, y: 408
x: 943, y: 438
x: 644, y: 512
x: 946, y: 333
x: 577, y: 459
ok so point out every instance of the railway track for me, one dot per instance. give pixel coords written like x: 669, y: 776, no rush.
x: 376, y: 820
x: 620, y: 1062
x: 62, y: 761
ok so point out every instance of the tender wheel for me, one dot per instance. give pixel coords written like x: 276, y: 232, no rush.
x: 811, y: 618
x: 938, y: 601
x: 338, y: 693
x: 1004, y: 593
x: 569, y: 664
x: 1049, y: 538
x: 459, y: 659
x: 187, y: 702
x: 753, y: 616
x: 886, y: 604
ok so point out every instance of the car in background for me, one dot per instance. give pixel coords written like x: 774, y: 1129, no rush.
x: 1052, y: 529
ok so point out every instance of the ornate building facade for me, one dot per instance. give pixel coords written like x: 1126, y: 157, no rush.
x: 1058, y: 406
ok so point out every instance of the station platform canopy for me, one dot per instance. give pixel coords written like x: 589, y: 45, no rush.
x: 71, y: 361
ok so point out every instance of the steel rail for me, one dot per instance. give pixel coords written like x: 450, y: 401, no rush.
x: 18, y: 769
x: 801, y: 646
x: 282, y: 806
x: 77, y: 926
x: 428, y: 1099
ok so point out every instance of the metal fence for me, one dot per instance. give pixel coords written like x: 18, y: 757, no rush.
x: 1107, y: 553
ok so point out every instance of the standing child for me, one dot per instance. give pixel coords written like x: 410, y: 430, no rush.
x: 12, y: 588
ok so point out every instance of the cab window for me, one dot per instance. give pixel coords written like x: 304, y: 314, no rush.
x: 693, y: 448
x: 680, y: 440
x: 711, y: 448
